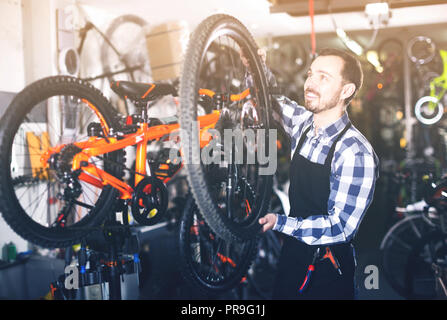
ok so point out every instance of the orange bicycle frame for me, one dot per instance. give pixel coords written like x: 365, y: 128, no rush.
x: 96, y: 146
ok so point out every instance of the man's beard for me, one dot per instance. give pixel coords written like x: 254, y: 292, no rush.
x: 318, y: 106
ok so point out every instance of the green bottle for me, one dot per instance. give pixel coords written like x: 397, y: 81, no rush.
x: 12, y: 252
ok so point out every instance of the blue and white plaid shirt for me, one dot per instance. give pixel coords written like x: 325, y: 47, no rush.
x: 354, y: 171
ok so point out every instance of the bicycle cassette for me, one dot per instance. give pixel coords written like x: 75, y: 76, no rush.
x: 149, y: 201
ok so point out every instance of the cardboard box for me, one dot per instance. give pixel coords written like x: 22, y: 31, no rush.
x: 166, y: 45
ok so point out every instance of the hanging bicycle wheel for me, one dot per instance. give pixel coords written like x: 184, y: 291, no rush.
x: 390, y: 51
x: 421, y: 50
x: 290, y: 57
x: 124, y: 53
x: 398, y: 246
x: 47, y: 203
x: 209, y: 262
x: 245, y: 118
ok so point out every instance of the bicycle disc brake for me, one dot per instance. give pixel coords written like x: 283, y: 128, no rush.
x: 149, y: 201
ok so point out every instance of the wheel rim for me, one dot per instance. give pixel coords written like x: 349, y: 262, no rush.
x: 216, y: 265
x: 38, y: 190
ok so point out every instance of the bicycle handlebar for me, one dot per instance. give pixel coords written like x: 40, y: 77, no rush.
x: 417, y: 206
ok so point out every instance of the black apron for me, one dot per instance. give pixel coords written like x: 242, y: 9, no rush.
x: 308, y: 195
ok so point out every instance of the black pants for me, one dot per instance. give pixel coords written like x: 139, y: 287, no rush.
x: 325, y: 283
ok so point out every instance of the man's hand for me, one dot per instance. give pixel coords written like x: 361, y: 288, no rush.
x: 268, y: 221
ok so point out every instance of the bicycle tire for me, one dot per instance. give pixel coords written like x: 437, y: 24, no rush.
x: 210, y: 29
x: 292, y: 58
x: 203, y: 263
x: 396, y: 247
x: 141, y: 74
x: 420, y: 281
x: 20, y: 114
x: 396, y: 52
x: 263, y: 271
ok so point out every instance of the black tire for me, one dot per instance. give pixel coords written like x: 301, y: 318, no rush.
x: 420, y: 280
x: 230, y: 32
x: 31, y: 111
x: 264, y: 269
x: 398, y: 246
x: 207, y: 261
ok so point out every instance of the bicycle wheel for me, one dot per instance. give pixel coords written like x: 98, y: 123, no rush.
x: 46, y: 203
x: 291, y: 57
x: 421, y: 50
x: 207, y: 261
x: 124, y: 53
x: 420, y: 280
x: 390, y: 52
x: 229, y: 221
x: 397, y: 247
x: 262, y: 274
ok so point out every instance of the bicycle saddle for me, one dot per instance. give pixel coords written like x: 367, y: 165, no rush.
x: 142, y: 92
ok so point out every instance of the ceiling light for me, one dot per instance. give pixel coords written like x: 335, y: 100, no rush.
x: 373, y: 58
x: 375, y: 9
x: 378, y: 14
x: 354, y: 47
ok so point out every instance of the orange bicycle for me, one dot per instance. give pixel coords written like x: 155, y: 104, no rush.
x: 63, y: 158
x: 64, y: 150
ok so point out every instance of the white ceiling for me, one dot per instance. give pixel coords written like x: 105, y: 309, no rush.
x: 256, y: 16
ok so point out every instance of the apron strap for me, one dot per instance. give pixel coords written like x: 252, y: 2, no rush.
x: 331, y: 152
x: 302, y: 138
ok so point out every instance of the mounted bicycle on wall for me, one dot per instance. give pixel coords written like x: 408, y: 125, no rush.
x: 422, y: 51
x: 100, y: 57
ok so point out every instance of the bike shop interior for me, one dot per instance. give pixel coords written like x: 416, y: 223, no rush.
x: 402, y: 239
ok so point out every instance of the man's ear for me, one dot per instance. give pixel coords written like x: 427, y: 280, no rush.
x: 348, y: 90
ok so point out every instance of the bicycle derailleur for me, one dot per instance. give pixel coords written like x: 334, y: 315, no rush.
x: 62, y: 163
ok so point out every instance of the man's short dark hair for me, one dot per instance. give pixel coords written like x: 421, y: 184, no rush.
x: 352, y: 69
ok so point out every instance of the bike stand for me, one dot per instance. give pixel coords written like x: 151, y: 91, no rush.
x: 105, y: 257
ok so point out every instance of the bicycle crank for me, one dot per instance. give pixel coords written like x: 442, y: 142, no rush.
x: 149, y: 201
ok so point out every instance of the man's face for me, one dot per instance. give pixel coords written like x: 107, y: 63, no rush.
x: 324, y: 84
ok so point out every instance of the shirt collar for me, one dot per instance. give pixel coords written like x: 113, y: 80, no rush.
x: 332, y: 129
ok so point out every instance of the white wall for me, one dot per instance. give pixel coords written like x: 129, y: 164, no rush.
x: 12, y: 76
x: 28, y: 52
x: 27, y: 43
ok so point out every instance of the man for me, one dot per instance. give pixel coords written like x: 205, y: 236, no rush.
x: 332, y: 179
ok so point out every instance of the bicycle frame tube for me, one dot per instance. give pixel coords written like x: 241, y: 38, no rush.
x: 95, y: 146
